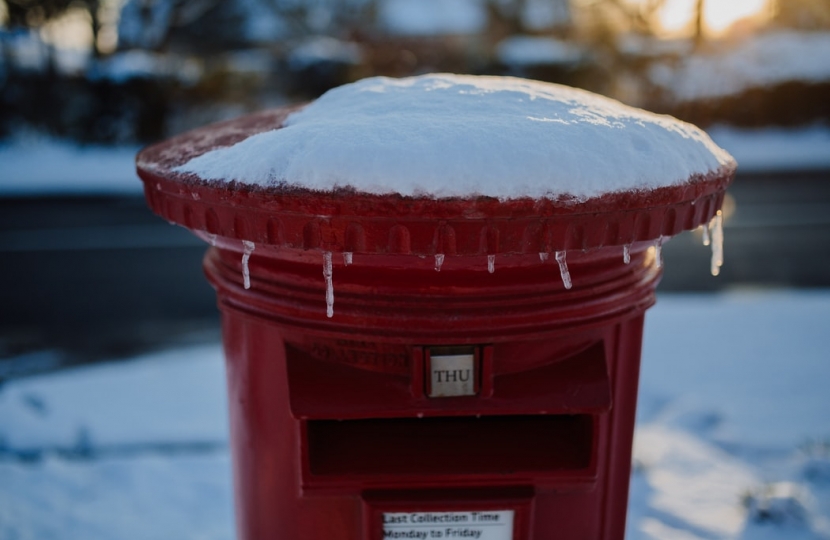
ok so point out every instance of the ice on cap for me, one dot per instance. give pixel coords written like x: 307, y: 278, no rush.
x: 448, y: 135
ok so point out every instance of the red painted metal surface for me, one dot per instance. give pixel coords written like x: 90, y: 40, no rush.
x: 332, y: 426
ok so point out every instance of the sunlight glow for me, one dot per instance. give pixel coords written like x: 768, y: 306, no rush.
x: 720, y: 15
x: 676, y: 17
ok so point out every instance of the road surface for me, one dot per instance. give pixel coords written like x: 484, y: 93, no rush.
x: 104, y: 277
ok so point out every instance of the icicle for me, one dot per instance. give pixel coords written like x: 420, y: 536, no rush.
x: 658, y: 252
x: 705, y: 228
x: 212, y: 239
x: 627, y: 253
x: 563, y: 269
x: 247, y: 249
x: 543, y: 256
x: 717, y: 243
x: 327, y: 273
x: 491, y: 263
x: 439, y: 260
x: 347, y: 258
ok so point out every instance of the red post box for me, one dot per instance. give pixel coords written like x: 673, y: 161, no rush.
x: 416, y: 367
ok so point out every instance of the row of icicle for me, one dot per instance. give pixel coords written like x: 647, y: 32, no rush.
x: 712, y: 235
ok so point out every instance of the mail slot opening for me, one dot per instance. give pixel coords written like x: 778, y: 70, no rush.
x: 498, y: 445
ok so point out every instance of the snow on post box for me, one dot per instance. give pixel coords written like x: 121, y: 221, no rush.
x: 432, y: 293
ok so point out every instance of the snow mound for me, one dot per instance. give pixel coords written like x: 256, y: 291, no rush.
x: 448, y: 135
x: 766, y: 60
x: 538, y: 51
x: 781, y: 502
x: 432, y: 17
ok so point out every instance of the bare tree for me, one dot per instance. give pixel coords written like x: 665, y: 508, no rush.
x: 36, y: 13
x: 803, y: 14
x: 700, y: 5
x: 309, y: 17
x: 638, y: 16
x: 510, y: 17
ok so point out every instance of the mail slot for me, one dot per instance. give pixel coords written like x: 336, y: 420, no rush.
x: 425, y: 367
x: 539, y: 425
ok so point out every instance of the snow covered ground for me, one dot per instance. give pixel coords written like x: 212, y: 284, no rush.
x: 776, y: 149
x: 733, y: 412
x: 732, y: 442
x: 34, y: 165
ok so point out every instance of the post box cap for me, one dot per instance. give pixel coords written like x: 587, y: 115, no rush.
x: 441, y: 164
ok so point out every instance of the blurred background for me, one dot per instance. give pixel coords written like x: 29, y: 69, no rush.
x: 88, y: 273
x: 113, y: 418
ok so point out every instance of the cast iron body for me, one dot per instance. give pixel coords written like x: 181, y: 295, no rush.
x: 331, y: 420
